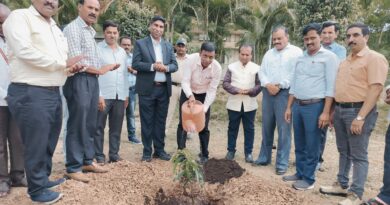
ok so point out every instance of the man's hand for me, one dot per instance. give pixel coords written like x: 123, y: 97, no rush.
x: 75, y: 68
x: 158, y: 66
x: 131, y: 70
x: 126, y: 102
x: 110, y: 67
x: 272, y: 89
x: 323, y: 120
x: 244, y: 92
x: 331, y: 118
x: 287, y: 115
x: 191, y: 99
x: 102, y: 104
x: 71, y: 61
x: 357, y: 126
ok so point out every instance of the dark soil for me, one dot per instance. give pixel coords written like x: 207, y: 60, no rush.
x: 221, y: 170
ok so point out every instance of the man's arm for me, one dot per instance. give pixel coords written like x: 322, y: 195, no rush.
x: 287, y: 113
x: 227, y: 84
x: 172, y: 65
x: 212, y: 90
x: 138, y: 64
x: 253, y: 92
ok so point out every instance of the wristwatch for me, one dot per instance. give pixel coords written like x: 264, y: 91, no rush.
x: 359, y: 118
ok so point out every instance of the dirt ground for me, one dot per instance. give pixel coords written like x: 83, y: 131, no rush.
x: 135, y: 182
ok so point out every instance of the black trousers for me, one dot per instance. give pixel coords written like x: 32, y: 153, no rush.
x: 38, y: 113
x: 82, y: 96
x: 115, y: 110
x: 153, y: 113
x: 9, y: 134
x: 204, y: 135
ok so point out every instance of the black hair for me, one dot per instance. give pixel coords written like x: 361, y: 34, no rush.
x: 331, y: 23
x: 280, y: 27
x: 362, y: 26
x: 207, y: 46
x: 110, y: 23
x: 311, y: 26
x: 124, y: 37
x: 245, y: 45
x: 157, y: 18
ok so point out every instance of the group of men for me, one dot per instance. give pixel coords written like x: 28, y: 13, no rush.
x: 301, y: 89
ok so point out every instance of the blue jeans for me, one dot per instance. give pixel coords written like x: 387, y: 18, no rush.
x: 385, y: 190
x: 307, y: 139
x: 353, y: 147
x: 130, y: 110
x: 248, y: 119
x: 273, y: 109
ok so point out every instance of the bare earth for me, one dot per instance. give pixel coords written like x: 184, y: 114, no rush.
x: 135, y: 182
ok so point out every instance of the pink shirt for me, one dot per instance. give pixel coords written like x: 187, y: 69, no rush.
x: 199, y: 80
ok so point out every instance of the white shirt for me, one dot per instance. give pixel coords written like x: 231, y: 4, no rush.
x: 4, y: 74
x: 160, y: 76
x: 277, y: 66
x: 115, y: 82
x: 37, y: 49
x: 177, y: 76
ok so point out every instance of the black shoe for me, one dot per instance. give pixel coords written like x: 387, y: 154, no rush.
x: 280, y: 171
x: 55, y: 183
x: 258, y: 163
x: 203, y: 160
x: 46, y: 197
x: 134, y: 140
x: 21, y: 183
x: 229, y: 155
x: 163, y: 156
x: 248, y: 158
x: 146, y: 159
x: 115, y: 160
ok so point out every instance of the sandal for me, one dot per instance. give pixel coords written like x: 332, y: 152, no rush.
x: 4, y: 190
x: 373, y: 201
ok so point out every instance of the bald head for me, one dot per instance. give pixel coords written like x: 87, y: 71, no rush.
x: 4, y: 12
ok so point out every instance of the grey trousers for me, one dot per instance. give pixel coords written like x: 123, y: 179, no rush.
x: 115, y: 110
x: 9, y: 134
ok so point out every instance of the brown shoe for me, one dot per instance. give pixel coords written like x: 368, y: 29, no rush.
x: 78, y: 176
x: 94, y: 168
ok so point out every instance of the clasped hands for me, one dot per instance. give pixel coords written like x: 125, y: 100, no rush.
x: 160, y: 67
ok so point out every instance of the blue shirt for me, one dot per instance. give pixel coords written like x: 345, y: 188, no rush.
x: 337, y: 49
x: 114, y: 82
x: 314, y: 75
x: 131, y: 77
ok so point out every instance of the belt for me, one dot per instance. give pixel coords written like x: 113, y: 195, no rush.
x: 350, y: 104
x: 155, y: 83
x: 309, y: 101
x: 87, y: 74
x: 55, y: 88
x: 176, y: 84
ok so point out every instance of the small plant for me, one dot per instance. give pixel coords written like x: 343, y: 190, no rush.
x: 186, y: 170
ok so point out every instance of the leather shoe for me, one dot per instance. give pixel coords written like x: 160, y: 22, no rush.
x: 146, y: 159
x: 258, y: 163
x: 163, y: 156
x: 55, y: 183
x: 248, y: 158
x: 203, y: 160
x: 21, y: 183
x: 229, y: 155
x: 280, y: 171
x: 93, y: 168
x: 78, y: 176
x: 115, y: 160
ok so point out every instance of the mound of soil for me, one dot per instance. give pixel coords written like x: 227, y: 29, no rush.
x: 221, y: 170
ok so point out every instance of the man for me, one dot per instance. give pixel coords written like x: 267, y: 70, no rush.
x: 359, y: 83
x: 125, y: 43
x: 82, y: 93
x: 113, y: 94
x: 383, y: 197
x: 311, y: 97
x: 329, y: 33
x: 181, y: 56
x: 9, y: 132
x: 38, y: 67
x: 154, y: 61
x: 275, y: 73
x: 200, y: 82
x: 242, y: 83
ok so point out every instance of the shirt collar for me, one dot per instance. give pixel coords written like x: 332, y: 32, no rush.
x: 285, y: 48
x: 36, y: 13
x: 199, y: 63
x: 361, y: 53
x: 154, y: 42
x: 105, y: 45
x: 185, y: 56
x: 322, y: 49
x: 82, y: 24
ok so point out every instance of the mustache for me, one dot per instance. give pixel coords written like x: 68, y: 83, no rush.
x: 92, y: 15
x: 350, y: 43
x: 49, y: 4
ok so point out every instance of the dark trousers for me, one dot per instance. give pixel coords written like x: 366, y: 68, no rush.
x: 204, y: 135
x: 385, y: 190
x: 248, y: 119
x: 323, y: 142
x: 82, y: 96
x: 153, y: 113
x: 9, y: 133
x: 115, y: 109
x: 38, y: 113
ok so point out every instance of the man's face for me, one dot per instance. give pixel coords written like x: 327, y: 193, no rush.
x: 312, y: 41
x: 245, y: 55
x: 355, y: 39
x: 89, y: 11
x: 126, y: 44
x: 111, y: 35
x: 156, y: 29
x: 181, y: 49
x: 47, y: 8
x: 206, y: 58
x: 329, y: 35
x: 279, y: 39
